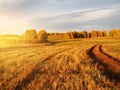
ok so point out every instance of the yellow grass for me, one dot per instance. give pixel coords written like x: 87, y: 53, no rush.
x: 60, y: 64
x: 113, y: 49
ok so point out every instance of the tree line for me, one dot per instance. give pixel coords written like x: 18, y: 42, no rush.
x: 32, y: 36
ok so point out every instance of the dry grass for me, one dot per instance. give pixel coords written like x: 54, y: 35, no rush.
x: 55, y: 37
x: 62, y: 66
x: 113, y: 50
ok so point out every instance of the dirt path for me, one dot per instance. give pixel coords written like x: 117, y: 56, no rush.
x: 107, y: 64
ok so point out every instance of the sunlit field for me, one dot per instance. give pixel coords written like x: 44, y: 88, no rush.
x: 55, y: 65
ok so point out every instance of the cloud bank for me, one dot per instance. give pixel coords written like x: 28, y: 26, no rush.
x: 58, y: 15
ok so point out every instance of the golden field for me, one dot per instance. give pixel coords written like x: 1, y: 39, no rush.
x: 55, y: 65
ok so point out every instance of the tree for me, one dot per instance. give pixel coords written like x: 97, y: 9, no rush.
x: 84, y: 34
x: 42, y: 36
x: 104, y: 33
x: 93, y: 34
x: 30, y: 35
x: 114, y: 32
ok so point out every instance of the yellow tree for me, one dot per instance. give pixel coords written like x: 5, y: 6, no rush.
x: 30, y: 35
x: 93, y: 34
x: 42, y: 36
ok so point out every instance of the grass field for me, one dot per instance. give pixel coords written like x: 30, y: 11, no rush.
x: 56, y: 65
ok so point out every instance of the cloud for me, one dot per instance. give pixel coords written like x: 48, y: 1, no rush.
x: 58, y: 15
x: 85, y: 19
x: 30, y: 6
x: 95, y: 15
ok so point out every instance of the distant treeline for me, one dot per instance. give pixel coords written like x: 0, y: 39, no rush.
x: 42, y: 35
x: 114, y: 33
x: 85, y: 34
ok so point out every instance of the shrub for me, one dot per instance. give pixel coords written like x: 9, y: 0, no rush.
x: 114, y: 33
x: 75, y: 34
x: 30, y: 35
x: 97, y: 34
x: 42, y: 36
x: 71, y: 35
x: 104, y: 33
x: 93, y: 34
x: 80, y: 35
x: 84, y: 33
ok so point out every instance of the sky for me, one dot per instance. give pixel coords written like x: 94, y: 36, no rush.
x: 16, y: 16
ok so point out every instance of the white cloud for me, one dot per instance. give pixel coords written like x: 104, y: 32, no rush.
x: 78, y: 16
x: 90, y: 27
x: 97, y: 14
x: 85, y: 19
x: 18, y: 15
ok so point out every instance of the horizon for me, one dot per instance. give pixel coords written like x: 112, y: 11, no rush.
x: 58, y: 16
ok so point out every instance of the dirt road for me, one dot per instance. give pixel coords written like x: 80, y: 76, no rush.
x: 107, y: 64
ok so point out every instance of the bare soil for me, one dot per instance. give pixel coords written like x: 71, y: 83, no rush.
x: 108, y: 65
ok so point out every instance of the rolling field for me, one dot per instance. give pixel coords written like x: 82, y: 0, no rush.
x: 60, y: 65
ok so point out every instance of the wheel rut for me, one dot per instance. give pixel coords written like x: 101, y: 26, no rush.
x: 107, y: 64
x: 22, y: 80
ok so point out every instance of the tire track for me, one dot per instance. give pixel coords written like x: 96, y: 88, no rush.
x: 109, y: 65
x: 23, y: 79
x: 25, y: 58
x: 101, y: 49
x: 55, y: 70
x: 36, y: 70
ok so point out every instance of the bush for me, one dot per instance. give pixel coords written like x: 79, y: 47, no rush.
x: 93, y: 34
x: 42, y: 36
x: 104, y: 33
x: 75, y: 34
x: 30, y: 35
x: 114, y: 33
x: 80, y: 35
x: 84, y: 33
x: 97, y: 34
x: 71, y: 35
x: 33, y: 36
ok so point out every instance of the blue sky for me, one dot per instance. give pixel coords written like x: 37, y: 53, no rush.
x: 58, y: 15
